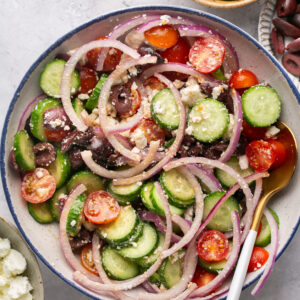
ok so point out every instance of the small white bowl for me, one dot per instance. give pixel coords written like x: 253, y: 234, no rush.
x: 33, y: 272
x: 44, y: 239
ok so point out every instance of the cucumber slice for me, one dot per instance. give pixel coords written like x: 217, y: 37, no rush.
x: 264, y: 238
x: 219, y: 74
x: 116, y: 266
x: 169, y: 143
x: 24, y: 155
x: 176, y: 186
x: 164, y: 109
x: 54, y: 202
x: 171, y: 269
x: 92, y: 181
x: 149, y: 260
x: 222, y: 219
x: 37, y: 119
x: 40, y: 212
x: 155, y: 279
x: 225, y: 179
x: 121, y: 229
x: 75, y: 216
x: 60, y: 169
x: 145, y: 245
x: 261, y: 106
x: 51, y: 77
x: 158, y: 206
x: 92, y: 102
x: 208, y: 120
x: 145, y: 195
x: 78, y: 106
x: 125, y: 194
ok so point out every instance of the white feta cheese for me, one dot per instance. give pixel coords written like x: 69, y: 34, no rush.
x: 39, y: 174
x: 243, y: 162
x: 41, y: 192
x: 4, y: 247
x: 83, y: 96
x: 73, y: 223
x: 178, y: 84
x: 19, y: 286
x: 14, y: 263
x: 191, y: 94
x: 134, y: 39
x: 3, y: 281
x: 139, y: 139
x: 272, y: 131
x: 189, y: 130
x: 133, y: 71
x: 217, y: 90
x: 27, y: 296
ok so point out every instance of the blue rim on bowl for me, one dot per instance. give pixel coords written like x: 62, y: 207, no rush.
x: 71, y: 33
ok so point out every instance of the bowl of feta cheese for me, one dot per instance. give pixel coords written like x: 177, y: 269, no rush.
x: 20, y: 276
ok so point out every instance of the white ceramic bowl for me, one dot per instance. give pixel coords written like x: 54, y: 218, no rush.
x: 9, y: 231
x: 44, y: 238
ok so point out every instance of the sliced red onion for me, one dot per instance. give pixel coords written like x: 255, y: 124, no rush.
x: 163, y: 20
x: 124, y: 141
x: 98, y: 131
x: 217, y: 281
x: 69, y: 68
x: 190, y: 234
x: 272, y: 253
x: 150, y: 288
x: 172, y: 150
x: 237, y: 127
x: 191, y: 287
x: 97, y: 169
x: 182, y: 223
x: 63, y: 237
x: 28, y: 110
x: 206, y: 177
x: 231, y: 61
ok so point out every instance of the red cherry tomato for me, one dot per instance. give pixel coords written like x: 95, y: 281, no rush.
x: 57, y: 135
x: 242, y: 79
x: 112, y: 59
x: 280, y: 153
x: 86, y: 258
x: 178, y: 53
x: 212, y: 245
x: 202, y: 277
x: 154, y: 83
x: 38, y: 186
x: 261, y: 155
x: 258, y: 258
x: 253, y: 133
x: 101, y: 207
x: 164, y: 36
x: 88, y: 80
x: 207, y: 54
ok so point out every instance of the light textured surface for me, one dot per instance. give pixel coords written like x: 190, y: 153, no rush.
x: 29, y: 27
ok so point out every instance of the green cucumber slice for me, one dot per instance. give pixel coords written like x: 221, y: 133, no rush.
x: 54, y: 202
x: 219, y: 74
x: 92, y: 102
x: 145, y: 195
x: 228, y: 181
x: 222, y: 219
x: 23, y: 151
x: 208, y: 120
x: 261, y: 106
x: 145, y: 245
x: 51, y: 78
x: 60, y: 169
x: 92, y: 181
x: 169, y: 143
x: 40, y: 212
x: 37, y: 119
x: 116, y: 266
x: 78, y: 106
x: 164, y: 109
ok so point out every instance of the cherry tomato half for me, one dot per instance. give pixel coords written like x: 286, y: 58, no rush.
x: 261, y: 155
x: 258, y: 258
x: 202, y: 277
x: 38, y: 186
x: 280, y: 153
x: 86, y: 258
x: 253, y: 133
x: 88, y: 80
x: 164, y: 36
x: 212, y: 245
x: 56, y: 135
x: 207, y: 54
x: 101, y: 207
x: 242, y: 79
x: 154, y: 83
x: 178, y: 53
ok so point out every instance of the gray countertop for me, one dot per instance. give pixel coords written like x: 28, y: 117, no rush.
x: 29, y: 27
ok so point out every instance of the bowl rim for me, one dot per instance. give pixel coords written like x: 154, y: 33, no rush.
x: 58, y: 42
x: 225, y: 4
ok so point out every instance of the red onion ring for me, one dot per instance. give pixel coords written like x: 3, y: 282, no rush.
x: 69, y: 68
x: 172, y: 150
x: 97, y: 169
x: 150, y: 288
x: 272, y: 253
x: 28, y: 110
x: 182, y: 223
x: 191, y: 288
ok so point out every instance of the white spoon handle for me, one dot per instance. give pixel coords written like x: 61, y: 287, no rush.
x: 242, y: 266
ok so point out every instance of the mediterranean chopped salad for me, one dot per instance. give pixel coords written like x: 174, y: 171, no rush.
x: 149, y: 146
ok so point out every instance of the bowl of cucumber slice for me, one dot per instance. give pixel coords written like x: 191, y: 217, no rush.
x: 49, y: 141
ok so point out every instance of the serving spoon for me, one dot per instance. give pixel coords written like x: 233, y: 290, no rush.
x: 277, y: 180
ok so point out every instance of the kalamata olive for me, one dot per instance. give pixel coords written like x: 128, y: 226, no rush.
x: 83, y: 138
x: 294, y: 46
x: 241, y: 146
x: 45, y: 154
x: 75, y: 158
x: 292, y: 63
x: 61, y: 202
x: 121, y: 99
x: 56, y: 119
x: 277, y: 40
x: 295, y: 19
x: 101, y: 150
x: 188, y: 140
x: 286, y: 28
x: 82, y: 239
x: 145, y: 49
x: 286, y: 7
x: 183, y: 151
x: 297, y: 11
x: 67, y: 142
x: 215, y: 151
x: 196, y: 150
x: 12, y: 160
